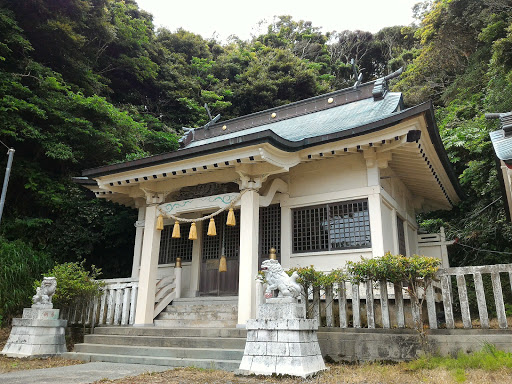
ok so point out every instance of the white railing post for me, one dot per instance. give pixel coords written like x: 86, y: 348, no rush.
x: 260, y: 296
x: 177, y: 277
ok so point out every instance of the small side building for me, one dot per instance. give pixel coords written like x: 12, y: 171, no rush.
x: 502, y: 143
x: 323, y: 181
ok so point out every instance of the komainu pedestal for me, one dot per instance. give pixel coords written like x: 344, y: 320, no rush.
x: 39, y: 333
x: 282, y: 341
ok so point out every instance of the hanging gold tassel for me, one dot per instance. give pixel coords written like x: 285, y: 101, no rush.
x: 160, y: 223
x: 192, y: 235
x: 176, y: 230
x: 223, y: 266
x: 212, y: 231
x: 231, y: 221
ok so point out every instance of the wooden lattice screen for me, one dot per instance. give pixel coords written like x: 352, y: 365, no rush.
x: 401, y: 236
x: 212, y: 245
x: 332, y: 226
x: 171, y: 248
x: 269, y: 231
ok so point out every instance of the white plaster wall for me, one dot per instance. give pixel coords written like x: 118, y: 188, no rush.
x: 388, y: 230
x: 327, y: 261
x: 431, y: 251
x: 328, y: 180
x: 412, y: 236
x: 328, y: 175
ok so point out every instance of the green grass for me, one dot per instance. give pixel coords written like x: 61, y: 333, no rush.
x: 488, y: 359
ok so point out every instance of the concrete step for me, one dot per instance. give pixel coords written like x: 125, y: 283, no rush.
x: 200, y: 312
x: 169, y: 352
x: 207, y: 300
x: 227, y: 365
x: 170, y: 332
x: 201, y: 308
x: 196, y: 323
x: 174, y: 341
x: 205, y: 316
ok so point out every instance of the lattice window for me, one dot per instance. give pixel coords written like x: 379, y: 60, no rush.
x: 330, y: 227
x: 231, y: 236
x: 270, y: 230
x: 212, y: 245
x: 171, y: 248
x: 401, y: 236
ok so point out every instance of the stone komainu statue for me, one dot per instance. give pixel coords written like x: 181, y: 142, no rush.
x: 278, y: 279
x: 45, y: 292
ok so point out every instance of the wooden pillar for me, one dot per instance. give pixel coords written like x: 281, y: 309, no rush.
x: 286, y: 233
x: 249, y: 222
x: 148, y: 269
x: 195, y: 266
x: 137, y: 249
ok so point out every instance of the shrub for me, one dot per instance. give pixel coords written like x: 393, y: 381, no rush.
x: 20, y: 264
x: 75, y: 284
x: 395, y: 268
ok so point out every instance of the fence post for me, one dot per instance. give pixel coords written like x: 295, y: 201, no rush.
x: 126, y: 305
x: 431, y: 305
x: 356, y: 315
x: 118, y: 306
x: 133, y: 303
x: 260, y: 298
x: 342, y: 304
x: 446, y: 290
x: 498, y: 299
x: 329, y: 303
x: 384, y: 303
x: 399, y: 305
x: 480, y: 298
x: 370, y: 312
x: 316, y: 305
x: 101, y: 319
x: 464, y: 302
x: 177, y: 277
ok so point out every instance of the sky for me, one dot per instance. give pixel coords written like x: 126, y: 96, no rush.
x: 222, y: 18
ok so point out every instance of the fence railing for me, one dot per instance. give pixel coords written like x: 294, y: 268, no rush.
x: 461, y: 297
x: 450, y: 301
x: 118, y: 300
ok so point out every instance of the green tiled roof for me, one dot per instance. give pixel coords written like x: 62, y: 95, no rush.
x: 324, y: 122
x: 502, y: 145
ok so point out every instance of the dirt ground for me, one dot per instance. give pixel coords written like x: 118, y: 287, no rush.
x: 337, y: 374
x: 9, y: 364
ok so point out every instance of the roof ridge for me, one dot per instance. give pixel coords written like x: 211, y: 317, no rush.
x: 272, y: 115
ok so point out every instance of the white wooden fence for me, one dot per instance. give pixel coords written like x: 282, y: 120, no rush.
x: 118, y: 301
x: 444, y: 304
x: 447, y: 301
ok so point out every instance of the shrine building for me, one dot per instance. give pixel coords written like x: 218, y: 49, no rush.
x: 323, y: 181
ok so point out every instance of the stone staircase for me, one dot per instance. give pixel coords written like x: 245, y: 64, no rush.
x: 197, y: 332
x: 207, y: 312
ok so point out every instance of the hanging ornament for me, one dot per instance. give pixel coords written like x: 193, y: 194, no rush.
x: 176, y: 230
x: 160, y: 223
x: 192, y: 235
x: 223, y: 265
x: 231, y: 221
x: 212, y: 231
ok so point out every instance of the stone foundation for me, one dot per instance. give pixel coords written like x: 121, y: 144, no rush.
x: 39, y: 333
x: 281, y: 341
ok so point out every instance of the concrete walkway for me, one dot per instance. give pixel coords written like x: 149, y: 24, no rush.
x: 78, y: 374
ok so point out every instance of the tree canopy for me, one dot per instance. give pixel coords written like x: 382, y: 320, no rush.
x: 88, y: 83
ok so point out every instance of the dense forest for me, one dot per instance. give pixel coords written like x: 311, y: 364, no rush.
x: 88, y: 83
